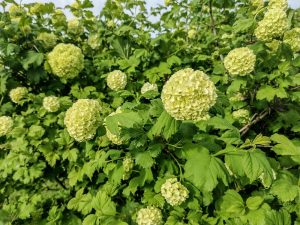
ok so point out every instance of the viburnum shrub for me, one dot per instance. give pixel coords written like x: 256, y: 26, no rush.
x: 188, y: 113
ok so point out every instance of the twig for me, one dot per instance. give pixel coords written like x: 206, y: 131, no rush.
x: 60, y: 183
x: 260, y: 116
x: 177, y: 162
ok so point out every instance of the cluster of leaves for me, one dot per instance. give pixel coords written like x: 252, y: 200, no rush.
x: 236, y: 173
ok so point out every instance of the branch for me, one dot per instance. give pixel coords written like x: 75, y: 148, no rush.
x: 259, y: 117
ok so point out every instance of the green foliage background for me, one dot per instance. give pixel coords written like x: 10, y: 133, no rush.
x: 235, y: 173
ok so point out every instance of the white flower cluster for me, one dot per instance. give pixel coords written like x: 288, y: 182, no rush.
x: 93, y: 41
x: 192, y: 33
x: 148, y: 87
x: 278, y: 4
x: 74, y: 26
x: 114, y: 138
x: 273, y: 25
x: 241, y: 115
x: 188, y: 95
x: 174, y: 192
x: 240, y: 61
x: 51, y: 103
x: 6, y: 124
x: 83, y: 119
x: 292, y: 37
x: 47, y: 39
x: 18, y: 94
x: 116, y: 80
x: 149, y: 216
x: 66, y: 60
x: 128, y: 164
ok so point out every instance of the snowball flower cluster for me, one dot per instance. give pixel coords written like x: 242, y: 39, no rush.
x: 6, y: 124
x: 66, y: 61
x: 15, y: 10
x: 278, y: 4
x: 128, y: 164
x: 188, y: 95
x: 93, y: 41
x: 174, y: 192
x: 47, y: 39
x: 51, y: 103
x: 18, y: 94
x: 149, y: 216
x: 148, y: 87
x: 273, y: 25
x: 114, y: 138
x: 292, y: 37
x: 192, y: 34
x: 241, y: 115
x: 240, y: 61
x: 83, y: 119
x: 74, y: 26
x: 238, y: 97
x: 116, y: 80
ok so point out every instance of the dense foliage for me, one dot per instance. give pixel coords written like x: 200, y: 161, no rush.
x: 189, y: 118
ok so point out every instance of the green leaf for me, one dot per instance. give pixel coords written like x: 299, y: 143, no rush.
x: 202, y: 169
x: 91, y: 219
x: 32, y: 58
x: 81, y: 202
x: 165, y: 125
x: 254, y: 202
x: 281, y: 217
x: 268, y: 92
x: 103, y: 205
x: 231, y: 204
x: 285, y: 146
x: 144, y: 159
x: 243, y: 24
x: 285, y: 190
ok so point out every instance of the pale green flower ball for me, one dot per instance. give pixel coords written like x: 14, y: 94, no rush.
x: 66, y: 61
x: 241, y: 115
x: 149, y: 216
x: 15, y: 10
x: 83, y: 119
x: 47, y: 39
x: 114, y: 138
x: 116, y: 80
x: 278, y: 4
x: 51, y: 103
x: 148, y: 87
x: 93, y: 41
x: 240, y: 61
x: 174, y: 192
x: 74, y: 26
x: 18, y: 94
x: 238, y: 97
x: 6, y: 124
x: 273, y: 25
x: 188, y: 95
x: 58, y: 18
x: 128, y: 164
x: 292, y: 37
x: 192, y: 34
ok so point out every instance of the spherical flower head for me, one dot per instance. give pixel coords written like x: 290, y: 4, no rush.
x: 110, y: 23
x: 174, y: 192
x: 273, y: 25
x: 188, y: 95
x: 240, y: 61
x: 6, y: 124
x: 128, y: 164
x: 83, y: 119
x: 192, y: 34
x: 66, y: 61
x: 116, y: 80
x: 148, y: 87
x: 241, y: 115
x: 51, y: 103
x: 114, y: 138
x: 15, y: 10
x: 292, y: 37
x: 149, y: 216
x: 74, y: 26
x: 58, y: 18
x: 278, y: 4
x: 18, y: 94
x: 238, y: 97
x: 93, y: 41
x: 47, y: 39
